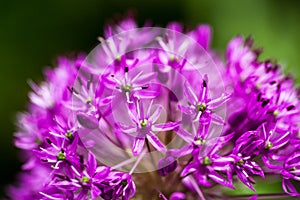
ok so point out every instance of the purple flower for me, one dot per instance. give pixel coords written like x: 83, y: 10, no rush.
x: 207, y: 165
x: 161, y: 94
x: 90, y: 179
x: 275, y: 140
x: 291, y: 170
x: 144, y: 127
x: 59, y: 153
x: 201, y: 107
x: 120, y: 186
x: 244, y: 165
x: 131, y: 85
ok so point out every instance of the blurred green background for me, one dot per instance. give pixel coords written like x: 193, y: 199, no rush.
x: 34, y: 33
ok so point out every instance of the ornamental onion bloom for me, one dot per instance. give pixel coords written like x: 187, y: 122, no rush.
x: 155, y: 113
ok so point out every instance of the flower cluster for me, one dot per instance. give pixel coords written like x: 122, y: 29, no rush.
x: 155, y: 113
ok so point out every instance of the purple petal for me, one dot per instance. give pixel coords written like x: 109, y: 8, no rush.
x: 107, y: 100
x: 154, y: 117
x: 92, y: 164
x: 219, y: 179
x: 153, y: 139
x: 186, y: 109
x: 185, y: 150
x: 218, y: 119
x: 289, y: 188
x: 265, y: 134
x: 281, y: 141
x: 101, y: 173
x: 245, y: 179
x: 146, y: 94
x: 186, y: 136
x: 128, y: 129
x: 67, y: 185
x: 144, y: 79
x: 204, y: 90
x: 149, y: 109
x: 133, y: 117
x: 95, y: 191
x: 219, y: 101
x: 190, y: 94
x: 73, y: 147
x: 218, y: 143
x: 269, y: 164
x: 140, y: 110
x: 138, y: 146
x: 165, y: 127
x: 189, y: 169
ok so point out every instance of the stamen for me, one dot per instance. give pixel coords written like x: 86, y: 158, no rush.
x: 126, y: 88
x: 240, y: 162
x: 276, y: 113
x: 204, y: 84
x: 265, y: 102
x: 269, y: 145
x: 85, y: 179
x: 200, y: 141
x: 290, y: 107
x: 56, y: 165
x: 69, y: 135
x: 201, y: 107
x: 126, y: 69
x: 206, y: 161
x: 144, y: 123
x: 61, y: 155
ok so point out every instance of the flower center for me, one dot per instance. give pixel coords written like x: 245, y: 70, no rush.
x: 269, y: 145
x: 69, y: 135
x: 200, y: 141
x: 89, y: 100
x: 276, y: 113
x: 38, y: 141
x: 144, y: 123
x: 201, y: 107
x: 173, y: 58
x: 240, y: 162
x: 85, y: 179
x: 61, y: 156
x: 126, y: 88
x: 206, y: 161
x: 118, y: 58
x: 124, y: 182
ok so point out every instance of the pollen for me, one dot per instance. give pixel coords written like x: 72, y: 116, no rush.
x: 144, y: 123
x: 201, y: 107
x: 61, y: 156
x: 206, y: 161
x: 126, y: 88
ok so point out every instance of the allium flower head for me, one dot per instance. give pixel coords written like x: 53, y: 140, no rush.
x: 156, y: 113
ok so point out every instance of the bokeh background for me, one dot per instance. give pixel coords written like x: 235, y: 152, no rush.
x: 34, y: 33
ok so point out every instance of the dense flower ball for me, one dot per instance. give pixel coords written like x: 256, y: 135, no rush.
x: 154, y: 113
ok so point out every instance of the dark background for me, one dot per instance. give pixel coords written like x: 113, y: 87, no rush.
x: 34, y: 33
